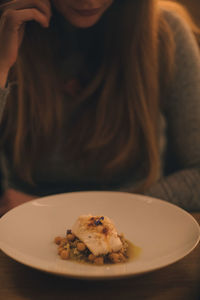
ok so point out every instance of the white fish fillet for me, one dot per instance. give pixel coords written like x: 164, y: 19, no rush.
x: 99, y: 235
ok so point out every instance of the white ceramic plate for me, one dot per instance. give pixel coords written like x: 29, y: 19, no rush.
x: 164, y: 232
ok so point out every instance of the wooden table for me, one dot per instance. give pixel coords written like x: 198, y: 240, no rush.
x: 180, y: 281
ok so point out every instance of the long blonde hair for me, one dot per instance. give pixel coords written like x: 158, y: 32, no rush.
x: 115, y: 116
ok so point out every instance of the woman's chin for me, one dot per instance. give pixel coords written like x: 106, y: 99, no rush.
x: 83, y: 22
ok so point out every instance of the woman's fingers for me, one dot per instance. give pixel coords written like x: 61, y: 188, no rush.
x: 43, y: 6
x: 13, y: 19
x: 18, y: 11
x: 14, y: 16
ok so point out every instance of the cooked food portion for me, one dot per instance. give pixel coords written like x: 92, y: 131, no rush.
x: 93, y: 239
x: 98, y: 234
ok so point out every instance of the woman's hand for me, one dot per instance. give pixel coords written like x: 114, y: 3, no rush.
x: 14, y: 15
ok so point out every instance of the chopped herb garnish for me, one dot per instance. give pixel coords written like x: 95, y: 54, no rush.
x: 98, y: 221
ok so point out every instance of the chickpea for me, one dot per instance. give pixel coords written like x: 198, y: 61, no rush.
x: 63, y: 242
x: 123, y: 250
x: 71, y: 237
x: 65, y: 254
x: 60, y: 249
x: 122, y: 257
x: 58, y: 240
x: 91, y: 257
x: 114, y: 257
x: 81, y: 246
x: 99, y: 260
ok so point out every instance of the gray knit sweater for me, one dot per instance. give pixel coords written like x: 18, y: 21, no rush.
x: 179, y: 181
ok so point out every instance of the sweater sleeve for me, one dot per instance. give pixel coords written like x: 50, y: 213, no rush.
x: 4, y: 92
x: 182, y: 113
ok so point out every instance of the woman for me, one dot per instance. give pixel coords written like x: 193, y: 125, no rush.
x: 99, y: 95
